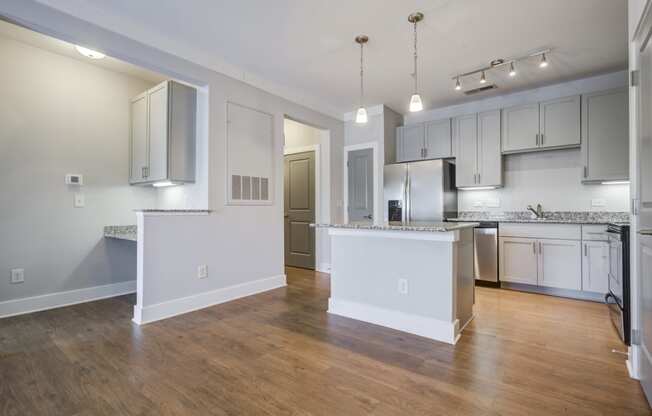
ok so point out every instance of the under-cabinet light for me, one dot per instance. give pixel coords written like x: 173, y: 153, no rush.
x: 477, y: 188
x: 615, y: 182
x: 162, y: 184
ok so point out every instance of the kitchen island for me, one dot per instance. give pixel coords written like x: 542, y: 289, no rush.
x: 416, y: 278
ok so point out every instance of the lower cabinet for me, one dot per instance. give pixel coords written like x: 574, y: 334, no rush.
x: 541, y: 262
x: 595, y: 266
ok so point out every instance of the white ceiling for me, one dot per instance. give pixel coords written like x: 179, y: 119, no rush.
x: 59, y: 47
x: 307, y: 46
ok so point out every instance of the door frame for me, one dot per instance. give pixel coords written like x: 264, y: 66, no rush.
x: 317, y: 149
x: 374, y: 151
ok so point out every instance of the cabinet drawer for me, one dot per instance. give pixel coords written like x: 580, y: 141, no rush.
x: 594, y: 233
x: 554, y: 231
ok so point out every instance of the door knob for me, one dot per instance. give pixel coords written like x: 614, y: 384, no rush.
x: 369, y: 217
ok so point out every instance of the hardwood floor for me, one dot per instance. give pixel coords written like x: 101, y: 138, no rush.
x: 280, y: 353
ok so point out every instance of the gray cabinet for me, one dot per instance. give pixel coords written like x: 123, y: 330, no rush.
x: 518, y: 261
x: 605, y: 135
x: 409, y: 142
x: 553, y: 124
x: 478, y: 158
x: 163, y: 130
x: 559, y: 123
x: 437, y: 143
x: 520, y: 128
x: 595, y: 266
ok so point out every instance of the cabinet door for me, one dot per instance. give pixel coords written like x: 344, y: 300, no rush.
x: 605, y: 135
x: 560, y: 122
x: 490, y: 162
x: 139, y: 152
x: 518, y: 260
x: 560, y: 264
x: 595, y: 266
x: 411, y: 142
x: 520, y: 128
x: 438, y: 139
x: 158, y: 133
x: 466, y: 134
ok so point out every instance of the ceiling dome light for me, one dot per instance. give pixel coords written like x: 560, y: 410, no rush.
x: 483, y: 78
x: 458, y: 85
x: 89, y: 53
x: 415, y: 101
x: 512, y: 70
x: 361, y: 115
x: 544, y: 61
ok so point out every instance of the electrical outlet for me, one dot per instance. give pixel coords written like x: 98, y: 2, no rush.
x: 478, y: 204
x: 80, y: 201
x: 202, y: 271
x: 403, y: 286
x: 17, y: 275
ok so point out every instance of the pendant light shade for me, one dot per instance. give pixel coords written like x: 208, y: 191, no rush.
x: 544, y: 61
x: 458, y: 85
x: 512, y: 70
x: 361, y: 115
x: 415, y: 103
x: 483, y: 78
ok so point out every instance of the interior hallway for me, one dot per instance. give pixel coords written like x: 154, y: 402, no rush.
x: 280, y: 353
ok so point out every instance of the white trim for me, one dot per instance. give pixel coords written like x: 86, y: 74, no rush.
x: 168, y: 309
x: 67, y: 298
x: 324, y: 267
x: 414, y: 324
x: 374, y: 150
x: 445, y: 236
x: 373, y: 110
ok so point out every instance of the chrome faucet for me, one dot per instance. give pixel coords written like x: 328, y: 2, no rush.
x: 538, y: 212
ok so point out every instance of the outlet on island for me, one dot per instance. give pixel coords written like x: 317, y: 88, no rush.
x: 403, y: 286
x: 202, y: 271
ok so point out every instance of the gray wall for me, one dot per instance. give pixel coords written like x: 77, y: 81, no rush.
x: 60, y: 115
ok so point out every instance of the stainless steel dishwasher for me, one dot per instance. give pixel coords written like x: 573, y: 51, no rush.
x: 485, y: 254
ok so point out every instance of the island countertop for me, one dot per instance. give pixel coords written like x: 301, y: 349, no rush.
x: 432, y: 227
x: 121, y: 232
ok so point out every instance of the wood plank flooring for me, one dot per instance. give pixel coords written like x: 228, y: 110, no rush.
x: 280, y: 353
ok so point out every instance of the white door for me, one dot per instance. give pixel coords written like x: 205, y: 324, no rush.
x: 520, y: 128
x: 490, y: 161
x: 645, y: 270
x: 465, y: 129
x: 560, y: 264
x: 595, y: 266
x: 605, y: 135
x: 518, y: 260
x: 360, y: 184
x: 560, y: 122
x: 438, y: 139
x: 411, y: 142
x: 158, y: 133
x: 139, y: 153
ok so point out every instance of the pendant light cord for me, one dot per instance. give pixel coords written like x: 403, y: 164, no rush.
x: 361, y: 74
x: 416, y: 89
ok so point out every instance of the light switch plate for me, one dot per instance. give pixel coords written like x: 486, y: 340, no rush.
x: 599, y: 202
x: 478, y: 204
x: 80, y: 201
x: 17, y: 275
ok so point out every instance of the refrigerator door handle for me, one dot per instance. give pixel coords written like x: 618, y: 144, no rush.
x: 407, y: 196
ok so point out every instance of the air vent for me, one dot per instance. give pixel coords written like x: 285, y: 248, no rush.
x: 481, y: 89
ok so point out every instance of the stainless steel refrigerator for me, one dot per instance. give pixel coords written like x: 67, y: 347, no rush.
x: 420, y: 191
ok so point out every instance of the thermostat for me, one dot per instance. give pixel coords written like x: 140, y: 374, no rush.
x: 74, y: 179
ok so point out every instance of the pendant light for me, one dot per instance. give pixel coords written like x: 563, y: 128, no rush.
x: 483, y: 78
x: 512, y: 70
x: 458, y: 85
x: 361, y: 114
x: 544, y: 61
x: 415, y: 101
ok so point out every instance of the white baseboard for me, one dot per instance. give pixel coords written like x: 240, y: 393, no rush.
x: 413, y: 324
x: 67, y: 298
x: 168, y: 309
x: 324, y: 267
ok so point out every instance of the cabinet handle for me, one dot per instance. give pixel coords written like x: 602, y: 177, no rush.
x: 540, y: 247
x: 425, y: 152
x: 585, y: 171
x: 537, y: 139
x: 534, y: 248
x: 543, y: 138
x: 143, y: 171
x: 586, y: 248
x: 479, y: 179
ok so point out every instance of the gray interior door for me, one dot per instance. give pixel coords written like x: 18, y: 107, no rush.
x: 361, y: 185
x: 300, y: 210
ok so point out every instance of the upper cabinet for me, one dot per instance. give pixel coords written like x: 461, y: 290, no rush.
x: 163, y: 130
x: 552, y: 124
x: 605, y: 136
x: 479, y: 162
x: 431, y: 140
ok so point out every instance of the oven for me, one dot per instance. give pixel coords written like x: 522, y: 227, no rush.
x: 618, y: 298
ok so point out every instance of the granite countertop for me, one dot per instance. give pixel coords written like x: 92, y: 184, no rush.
x: 174, y: 211
x: 121, y: 232
x: 415, y: 226
x: 549, y: 217
x: 645, y: 232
